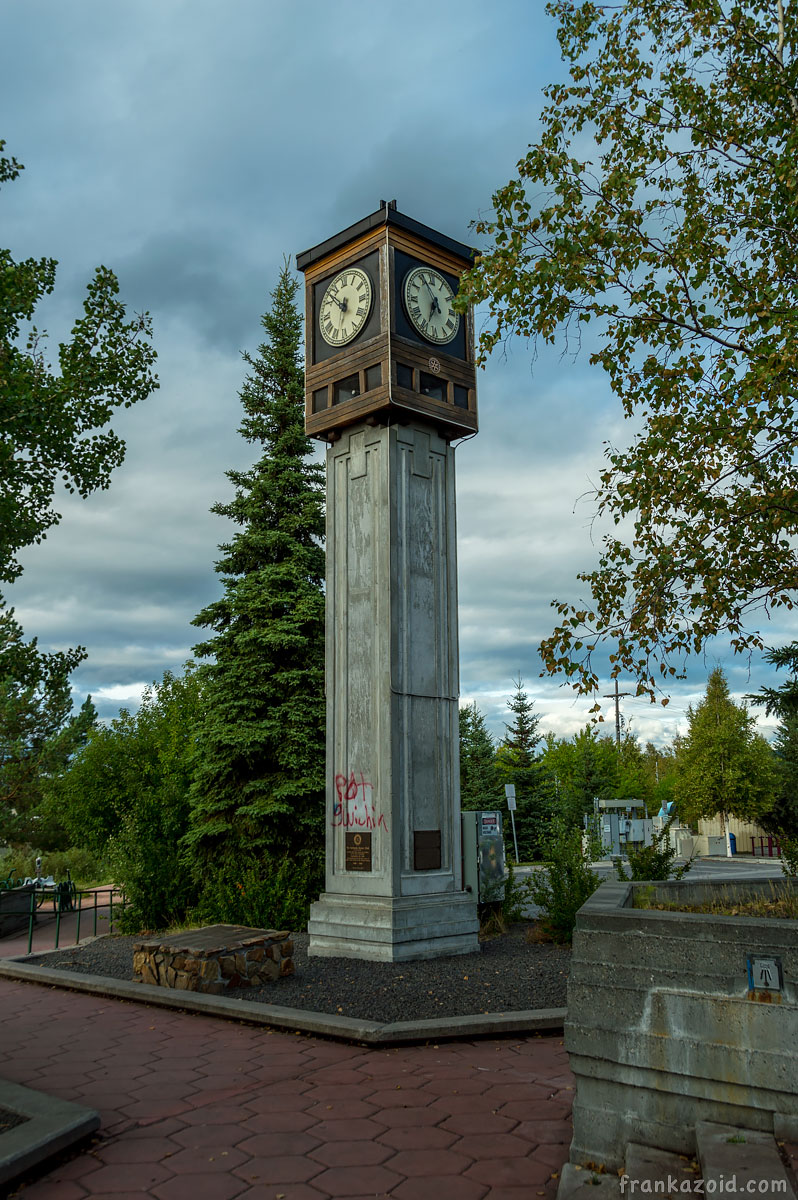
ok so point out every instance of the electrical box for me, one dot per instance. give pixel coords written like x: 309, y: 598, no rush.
x: 620, y: 824
x: 483, y: 856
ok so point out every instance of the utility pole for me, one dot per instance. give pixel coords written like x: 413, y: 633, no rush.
x: 616, y: 696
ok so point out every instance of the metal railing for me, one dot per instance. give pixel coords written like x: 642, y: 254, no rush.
x: 69, y: 901
x: 766, y: 847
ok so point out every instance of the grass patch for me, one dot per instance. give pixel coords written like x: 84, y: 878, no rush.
x: 781, y: 904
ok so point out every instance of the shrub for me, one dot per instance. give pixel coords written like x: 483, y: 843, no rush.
x: 562, y: 888
x: 274, y: 893
x: 656, y: 861
x: 146, y: 863
x: 789, y: 856
x: 517, y: 896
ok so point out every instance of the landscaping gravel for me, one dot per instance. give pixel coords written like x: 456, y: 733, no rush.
x: 511, y: 972
x: 10, y: 1120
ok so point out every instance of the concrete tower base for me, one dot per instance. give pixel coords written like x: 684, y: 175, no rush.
x: 385, y: 929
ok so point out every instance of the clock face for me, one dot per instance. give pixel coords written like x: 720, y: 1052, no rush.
x: 429, y: 301
x: 345, y: 306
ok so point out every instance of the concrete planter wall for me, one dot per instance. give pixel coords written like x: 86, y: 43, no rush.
x: 662, y: 1030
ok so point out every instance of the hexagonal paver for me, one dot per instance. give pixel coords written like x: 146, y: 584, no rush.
x: 443, y: 1187
x: 131, y: 1150
x: 498, y: 1145
x: 352, y: 1182
x: 209, y: 1158
x: 128, y: 1177
x: 479, y: 1124
x: 276, y: 1122
x: 545, y: 1131
x: 292, y: 1191
x: 401, y: 1097
x: 167, y: 1128
x: 55, y: 1190
x: 398, y: 1118
x: 277, y: 1168
x: 77, y: 1168
x: 214, y: 1114
x: 454, y: 1086
x: 418, y: 1137
x: 416, y: 1163
x: 199, y: 1187
x: 150, y: 1108
x: 554, y: 1154
x: 446, y: 1106
x: 347, y: 1153
x: 324, y: 1110
x: 339, y: 1075
x: 509, y: 1172
x: 144, y: 1089
x: 222, y: 1137
x: 261, y: 1145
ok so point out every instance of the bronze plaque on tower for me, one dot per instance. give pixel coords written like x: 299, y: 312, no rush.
x: 358, y: 851
x: 427, y: 850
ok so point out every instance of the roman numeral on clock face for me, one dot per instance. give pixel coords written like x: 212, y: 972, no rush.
x: 345, y: 306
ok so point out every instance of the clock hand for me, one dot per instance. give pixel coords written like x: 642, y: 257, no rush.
x: 435, y: 307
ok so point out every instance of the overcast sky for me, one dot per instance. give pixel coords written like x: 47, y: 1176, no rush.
x: 189, y: 145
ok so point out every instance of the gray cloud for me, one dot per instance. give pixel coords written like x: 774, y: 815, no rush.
x: 189, y: 146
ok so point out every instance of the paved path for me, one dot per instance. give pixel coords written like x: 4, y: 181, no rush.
x: 47, y: 925
x: 200, y: 1109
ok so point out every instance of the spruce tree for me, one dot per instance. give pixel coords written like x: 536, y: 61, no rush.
x: 257, y: 798
x: 479, y: 779
x: 519, y: 765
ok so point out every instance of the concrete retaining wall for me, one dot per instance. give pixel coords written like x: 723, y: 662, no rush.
x: 662, y: 1030
x: 15, y: 909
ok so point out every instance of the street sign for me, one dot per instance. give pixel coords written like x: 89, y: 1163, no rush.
x: 509, y: 791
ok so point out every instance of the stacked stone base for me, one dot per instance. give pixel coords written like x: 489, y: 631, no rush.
x: 213, y: 959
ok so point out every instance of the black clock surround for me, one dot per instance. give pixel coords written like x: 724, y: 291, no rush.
x: 387, y: 370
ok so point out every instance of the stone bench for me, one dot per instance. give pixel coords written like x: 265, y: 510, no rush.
x: 213, y: 959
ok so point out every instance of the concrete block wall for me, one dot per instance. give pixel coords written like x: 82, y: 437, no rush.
x: 662, y: 1031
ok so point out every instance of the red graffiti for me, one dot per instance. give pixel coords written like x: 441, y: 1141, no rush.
x: 354, y: 807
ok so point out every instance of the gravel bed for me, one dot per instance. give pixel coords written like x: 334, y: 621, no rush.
x: 10, y: 1120
x: 511, y: 973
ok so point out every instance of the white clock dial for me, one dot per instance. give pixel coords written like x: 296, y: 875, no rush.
x: 429, y: 301
x: 345, y: 306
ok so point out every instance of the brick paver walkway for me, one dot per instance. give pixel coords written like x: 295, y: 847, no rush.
x: 195, y: 1108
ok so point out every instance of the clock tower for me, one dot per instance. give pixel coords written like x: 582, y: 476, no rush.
x: 390, y: 383
x: 382, y: 338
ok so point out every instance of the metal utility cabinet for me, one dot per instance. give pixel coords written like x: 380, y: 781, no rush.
x: 483, y: 855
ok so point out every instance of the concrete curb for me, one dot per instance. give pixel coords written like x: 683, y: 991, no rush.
x: 351, y: 1029
x: 52, y: 1126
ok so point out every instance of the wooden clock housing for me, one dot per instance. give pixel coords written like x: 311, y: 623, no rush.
x: 388, y: 372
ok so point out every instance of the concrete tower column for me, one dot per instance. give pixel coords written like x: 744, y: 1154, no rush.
x: 393, y: 875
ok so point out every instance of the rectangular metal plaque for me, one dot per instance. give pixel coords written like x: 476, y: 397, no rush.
x: 765, y: 975
x: 358, y: 851
x: 427, y: 850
